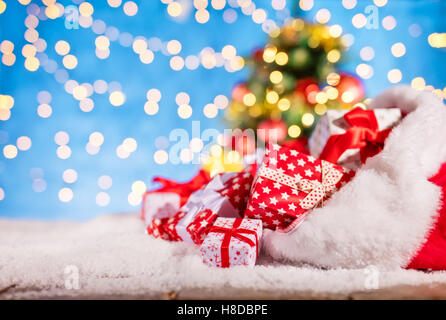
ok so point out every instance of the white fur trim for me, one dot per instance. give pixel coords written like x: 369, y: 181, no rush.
x: 382, y: 217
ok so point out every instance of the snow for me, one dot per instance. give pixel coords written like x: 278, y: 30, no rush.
x: 114, y: 256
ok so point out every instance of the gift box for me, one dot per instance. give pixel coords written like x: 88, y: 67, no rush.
x: 231, y: 242
x: 170, y: 227
x: 165, y: 201
x: 236, y: 189
x: 289, y: 184
x: 156, y: 228
x: 348, y: 138
x: 226, y: 195
x: 200, y: 226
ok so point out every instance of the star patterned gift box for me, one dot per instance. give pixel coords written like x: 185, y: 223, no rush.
x: 200, y: 226
x: 171, y: 224
x: 156, y: 228
x: 231, y: 242
x: 226, y: 195
x: 289, y: 184
x: 236, y: 189
x: 348, y: 138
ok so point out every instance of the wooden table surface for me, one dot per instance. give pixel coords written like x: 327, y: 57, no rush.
x: 434, y: 291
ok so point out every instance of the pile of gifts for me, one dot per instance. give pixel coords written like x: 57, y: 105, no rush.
x: 225, y: 215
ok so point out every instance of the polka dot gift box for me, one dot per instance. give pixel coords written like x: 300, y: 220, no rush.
x: 232, y: 242
x: 289, y: 184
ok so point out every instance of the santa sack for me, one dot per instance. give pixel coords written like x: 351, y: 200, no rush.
x: 392, y: 213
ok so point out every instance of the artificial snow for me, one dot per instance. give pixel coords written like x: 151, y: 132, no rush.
x: 115, y: 257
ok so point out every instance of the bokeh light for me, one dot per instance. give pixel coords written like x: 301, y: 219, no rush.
x: 114, y: 3
x: 306, y: 4
x: 221, y: 101
x: 130, y: 144
x: 65, y: 195
x: 359, y: 20
x: 117, y: 98
x: 69, y: 176
x: 70, y: 61
x: 174, y: 9
x: 349, y: 4
x: 23, y: 143
x: 130, y: 8
x: 10, y: 151
x: 44, y: 110
x: 103, y: 199
x: 418, y: 83
x: 151, y: 107
x: 63, y: 152
x: 176, y: 63
x: 160, y: 157
x: 153, y: 95
x: 323, y: 16
x: 105, y: 182
x: 394, y: 76
x: 294, y: 131
x: 139, y: 187
x: 86, y: 9
x: 184, y: 111
x: 389, y: 23
x: 61, y: 138
x: 367, y: 53
x: 81, y: 105
x: 96, y: 139
x: 210, y: 110
x: 182, y: 98
x: 398, y: 49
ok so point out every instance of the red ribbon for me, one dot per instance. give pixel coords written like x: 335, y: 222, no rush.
x: 183, y: 189
x: 236, y: 233
x: 363, y: 134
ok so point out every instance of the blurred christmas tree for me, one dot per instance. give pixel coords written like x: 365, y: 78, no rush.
x: 294, y: 80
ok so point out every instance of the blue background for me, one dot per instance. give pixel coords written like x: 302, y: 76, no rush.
x: 129, y: 120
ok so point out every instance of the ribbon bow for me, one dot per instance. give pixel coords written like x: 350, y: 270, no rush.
x: 183, y: 189
x: 235, y: 232
x: 318, y: 190
x: 363, y: 134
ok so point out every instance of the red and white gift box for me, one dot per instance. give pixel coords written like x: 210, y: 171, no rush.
x: 170, y: 227
x: 226, y: 195
x: 156, y: 228
x: 289, y: 184
x: 165, y: 201
x: 232, y: 242
x: 200, y: 226
x: 348, y: 138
